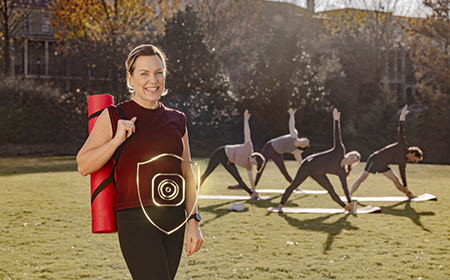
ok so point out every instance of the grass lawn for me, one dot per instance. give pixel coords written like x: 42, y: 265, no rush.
x: 45, y: 229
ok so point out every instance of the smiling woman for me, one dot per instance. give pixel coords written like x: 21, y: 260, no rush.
x: 146, y: 79
x: 149, y: 130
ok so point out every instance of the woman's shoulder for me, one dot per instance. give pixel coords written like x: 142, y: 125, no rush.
x: 172, y: 110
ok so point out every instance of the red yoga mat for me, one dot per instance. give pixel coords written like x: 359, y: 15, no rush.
x: 102, y: 208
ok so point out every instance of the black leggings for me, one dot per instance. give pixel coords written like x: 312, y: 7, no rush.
x: 148, y: 252
x: 269, y: 153
x: 304, y: 172
x: 220, y: 156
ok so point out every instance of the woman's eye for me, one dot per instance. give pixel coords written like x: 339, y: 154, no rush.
x: 144, y: 74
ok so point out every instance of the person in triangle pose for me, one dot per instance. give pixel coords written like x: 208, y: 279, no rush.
x: 240, y: 154
x: 333, y: 161
x: 396, y: 153
x: 285, y: 144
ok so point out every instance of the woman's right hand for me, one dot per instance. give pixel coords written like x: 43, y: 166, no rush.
x: 291, y: 111
x: 336, y: 115
x: 125, y: 128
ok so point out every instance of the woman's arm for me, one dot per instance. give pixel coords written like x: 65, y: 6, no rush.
x: 194, y: 238
x: 247, y: 135
x: 254, y: 194
x: 298, y: 155
x: 100, y: 145
x: 337, y: 128
x: 292, y: 130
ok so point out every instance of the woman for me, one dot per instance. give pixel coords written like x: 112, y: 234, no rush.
x: 289, y: 143
x: 397, y: 153
x: 240, y: 154
x: 152, y: 129
x: 333, y: 161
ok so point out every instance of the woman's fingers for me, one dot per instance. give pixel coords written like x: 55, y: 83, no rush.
x: 126, y: 128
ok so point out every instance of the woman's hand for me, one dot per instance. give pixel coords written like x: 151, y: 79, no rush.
x: 336, y: 114
x: 349, y: 207
x: 246, y: 115
x: 291, y: 111
x: 125, y: 128
x: 254, y: 195
x: 194, y: 238
x: 404, y: 113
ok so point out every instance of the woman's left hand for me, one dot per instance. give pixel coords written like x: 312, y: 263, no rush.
x: 194, y: 238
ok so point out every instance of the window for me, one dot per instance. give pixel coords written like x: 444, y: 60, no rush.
x: 46, y: 24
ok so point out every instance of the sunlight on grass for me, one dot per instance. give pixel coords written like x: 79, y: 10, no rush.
x: 46, y: 234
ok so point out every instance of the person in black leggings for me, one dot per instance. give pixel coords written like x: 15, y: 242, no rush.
x: 333, y: 161
x: 289, y: 143
x: 242, y: 155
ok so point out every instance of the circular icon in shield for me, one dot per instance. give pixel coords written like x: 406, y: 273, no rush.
x: 168, y: 189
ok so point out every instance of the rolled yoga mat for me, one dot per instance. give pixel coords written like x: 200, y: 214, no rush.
x: 102, y: 206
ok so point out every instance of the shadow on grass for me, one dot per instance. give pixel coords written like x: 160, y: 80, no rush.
x: 25, y: 165
x: 408, y: 211
x: 319, y: 225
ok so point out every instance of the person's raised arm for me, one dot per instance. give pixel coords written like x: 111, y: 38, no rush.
x: 337, y: 128
x: 194, y: 238
x: 404, y: 113
x: 247, y: 135
x: 292, y: 130
x: 101, y: 145
x: 401, y: 124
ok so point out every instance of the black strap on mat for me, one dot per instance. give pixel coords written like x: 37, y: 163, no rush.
x: 116, y: 155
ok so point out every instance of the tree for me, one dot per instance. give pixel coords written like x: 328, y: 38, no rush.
x: 430, y: 53
x: 196, y: 82
x: 13, y: 15
x: 233, y: 30
x: 283, y: 77
x: 102, y: 33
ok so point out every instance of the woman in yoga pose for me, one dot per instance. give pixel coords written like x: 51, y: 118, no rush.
x: 334, y: 161
x: 240, y: 154
x: 396, y: 153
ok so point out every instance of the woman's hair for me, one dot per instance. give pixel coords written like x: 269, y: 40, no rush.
x: 144, y: 50
x: 416, y: 151
x: 260, y: 159
x: 348, y: 168
x: 304, y: 139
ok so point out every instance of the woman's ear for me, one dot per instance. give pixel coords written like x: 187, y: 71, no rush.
x: 130, y: 79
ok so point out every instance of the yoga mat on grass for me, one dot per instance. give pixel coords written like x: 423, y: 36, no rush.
x: 295, y: 191
x: 231, y: 197
x: 422, y: 197
x: 295, y: 210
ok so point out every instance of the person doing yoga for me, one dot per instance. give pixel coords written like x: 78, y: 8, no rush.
x: 289, y: 143
x: 240, y: 154
x: 334, y: 161
x: 396, y: 153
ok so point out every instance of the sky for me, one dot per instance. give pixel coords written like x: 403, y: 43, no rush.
x: 409, y: 8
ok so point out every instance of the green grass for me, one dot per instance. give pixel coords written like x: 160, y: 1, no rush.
x: 45, y: 229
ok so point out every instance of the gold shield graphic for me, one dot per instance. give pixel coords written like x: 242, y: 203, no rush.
x: 168, y: 189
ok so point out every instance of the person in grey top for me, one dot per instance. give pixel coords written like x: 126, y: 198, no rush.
x: 286, y: 144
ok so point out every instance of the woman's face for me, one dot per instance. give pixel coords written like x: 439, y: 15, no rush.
x: 148, y: 80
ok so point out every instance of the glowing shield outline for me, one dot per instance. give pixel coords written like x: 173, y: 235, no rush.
x: 197, y: 188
